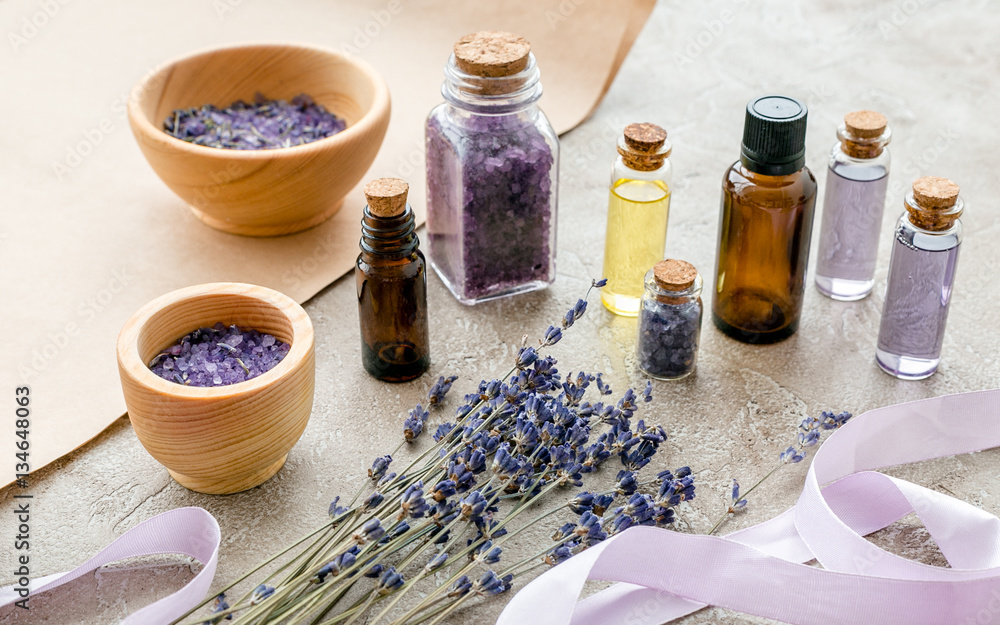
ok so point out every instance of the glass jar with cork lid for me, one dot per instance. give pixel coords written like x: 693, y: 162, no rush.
x: 920, y: 281
x: 856, y: 182
x: 492, y: 172
x: 638, y: 207
x: 670, y: 320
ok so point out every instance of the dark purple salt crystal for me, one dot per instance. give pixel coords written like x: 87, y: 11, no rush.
x: 263, y: 125
x: 490, y: 198
x: 218, y: 356
x: 668, y: 337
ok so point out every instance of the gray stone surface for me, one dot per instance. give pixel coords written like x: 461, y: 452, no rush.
x: 930, y: 67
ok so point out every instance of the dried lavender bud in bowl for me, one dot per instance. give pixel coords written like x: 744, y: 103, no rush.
x: 218, y: 356
x: 263, y: 125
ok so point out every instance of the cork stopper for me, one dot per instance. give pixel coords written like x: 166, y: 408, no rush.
x: 866, y: 124
x: 935, y: 205
x: 386, y: 196
x: 492, y: 54
x: 933, y: 192
x: 674, y: 275
x: 864, y: 134
x: 645, y: 137
x: 644, y: 146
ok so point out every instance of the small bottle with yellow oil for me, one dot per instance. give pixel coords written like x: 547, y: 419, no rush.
x: 637, y: 215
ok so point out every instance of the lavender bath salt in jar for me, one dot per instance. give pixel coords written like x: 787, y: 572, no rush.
x: 920, y: 281
x: 856, y: 181
x: 670, y: 320
x: 492, y: 172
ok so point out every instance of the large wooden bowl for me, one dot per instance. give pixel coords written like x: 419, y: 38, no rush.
x: 263, y: 192
x: 221, y: 439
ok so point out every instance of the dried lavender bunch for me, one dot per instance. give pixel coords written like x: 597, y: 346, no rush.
x: 810, y: 431
x: 264, y: 124
x: 451, y: 511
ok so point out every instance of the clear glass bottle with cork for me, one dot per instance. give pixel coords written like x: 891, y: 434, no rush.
x: 670, y: 320
x: 921, y: 277
x: 768, y: 199
x: 856, y: 182
x: 492, y: 172
x: 638, y: 207
x: 391, y: 278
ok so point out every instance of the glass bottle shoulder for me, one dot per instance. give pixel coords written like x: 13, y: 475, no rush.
x: 859, y: 169
x: 917, y: 238
x: 748, y: 187
x: 621, y: 171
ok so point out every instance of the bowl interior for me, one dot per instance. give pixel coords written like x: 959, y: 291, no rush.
x: 171, y: 322
x: 222, y: 76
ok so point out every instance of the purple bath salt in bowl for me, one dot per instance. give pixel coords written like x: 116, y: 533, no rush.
x: 218, y: 356
x: 263, y: 125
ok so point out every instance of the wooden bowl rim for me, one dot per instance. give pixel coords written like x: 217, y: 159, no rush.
x: 379, y: 107
x: 132, y: 364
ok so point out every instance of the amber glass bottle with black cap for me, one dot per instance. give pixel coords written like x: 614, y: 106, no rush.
x: 768, y: 199
x: 391, y: 275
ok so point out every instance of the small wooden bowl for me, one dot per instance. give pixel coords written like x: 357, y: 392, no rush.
x: 221, y: 439
x: 263, y: 192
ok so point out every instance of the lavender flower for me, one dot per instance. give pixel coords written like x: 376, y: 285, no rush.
x: 436, y: 562
x: 413, y: 425
x: 334, y: 567
x: 371, y: 531
x: 558, y: 555
x: 389, y: 581
x: 460, y: 587
x: 486, y: 553
x: 436, y: 395
x: 552, y: 336
x: 379, y: 467
x: 526, y: 356
x: 412, y: 503
x: 574, y: 313
x: 738, y: 502
x: 219, y: 604
x: 337, y: 511
x: 490, y: 584
x: 260, y: 593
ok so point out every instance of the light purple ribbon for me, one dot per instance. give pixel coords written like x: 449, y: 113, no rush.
x: 663, y: 575
x: 188, y: 531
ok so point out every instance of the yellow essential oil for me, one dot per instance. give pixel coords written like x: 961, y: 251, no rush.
x: 635, y: 240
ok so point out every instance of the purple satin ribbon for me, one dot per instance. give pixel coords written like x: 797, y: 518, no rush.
x: 189, y: 531
x: 663, y: 575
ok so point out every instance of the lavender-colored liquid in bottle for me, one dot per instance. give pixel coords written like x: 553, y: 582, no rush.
x: 921, y: 275
x: 849, y: 235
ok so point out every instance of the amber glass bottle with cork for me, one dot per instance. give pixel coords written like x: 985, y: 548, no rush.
x: 638, y: 205
x: 392, y: 286
x: 768, y: 199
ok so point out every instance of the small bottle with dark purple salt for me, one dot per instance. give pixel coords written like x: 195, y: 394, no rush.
x: 391, y: 277
x: 670, y: 320
x: 856, y: 182
x: 921, y: 277
x: 492, y: 172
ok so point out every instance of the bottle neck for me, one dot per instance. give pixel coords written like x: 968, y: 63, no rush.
x: 645, y: 161
x: 934, y: 220
x: 860, y: 147
x: 492, y: 96
x: 766, y: 168
x: 388, y: 237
